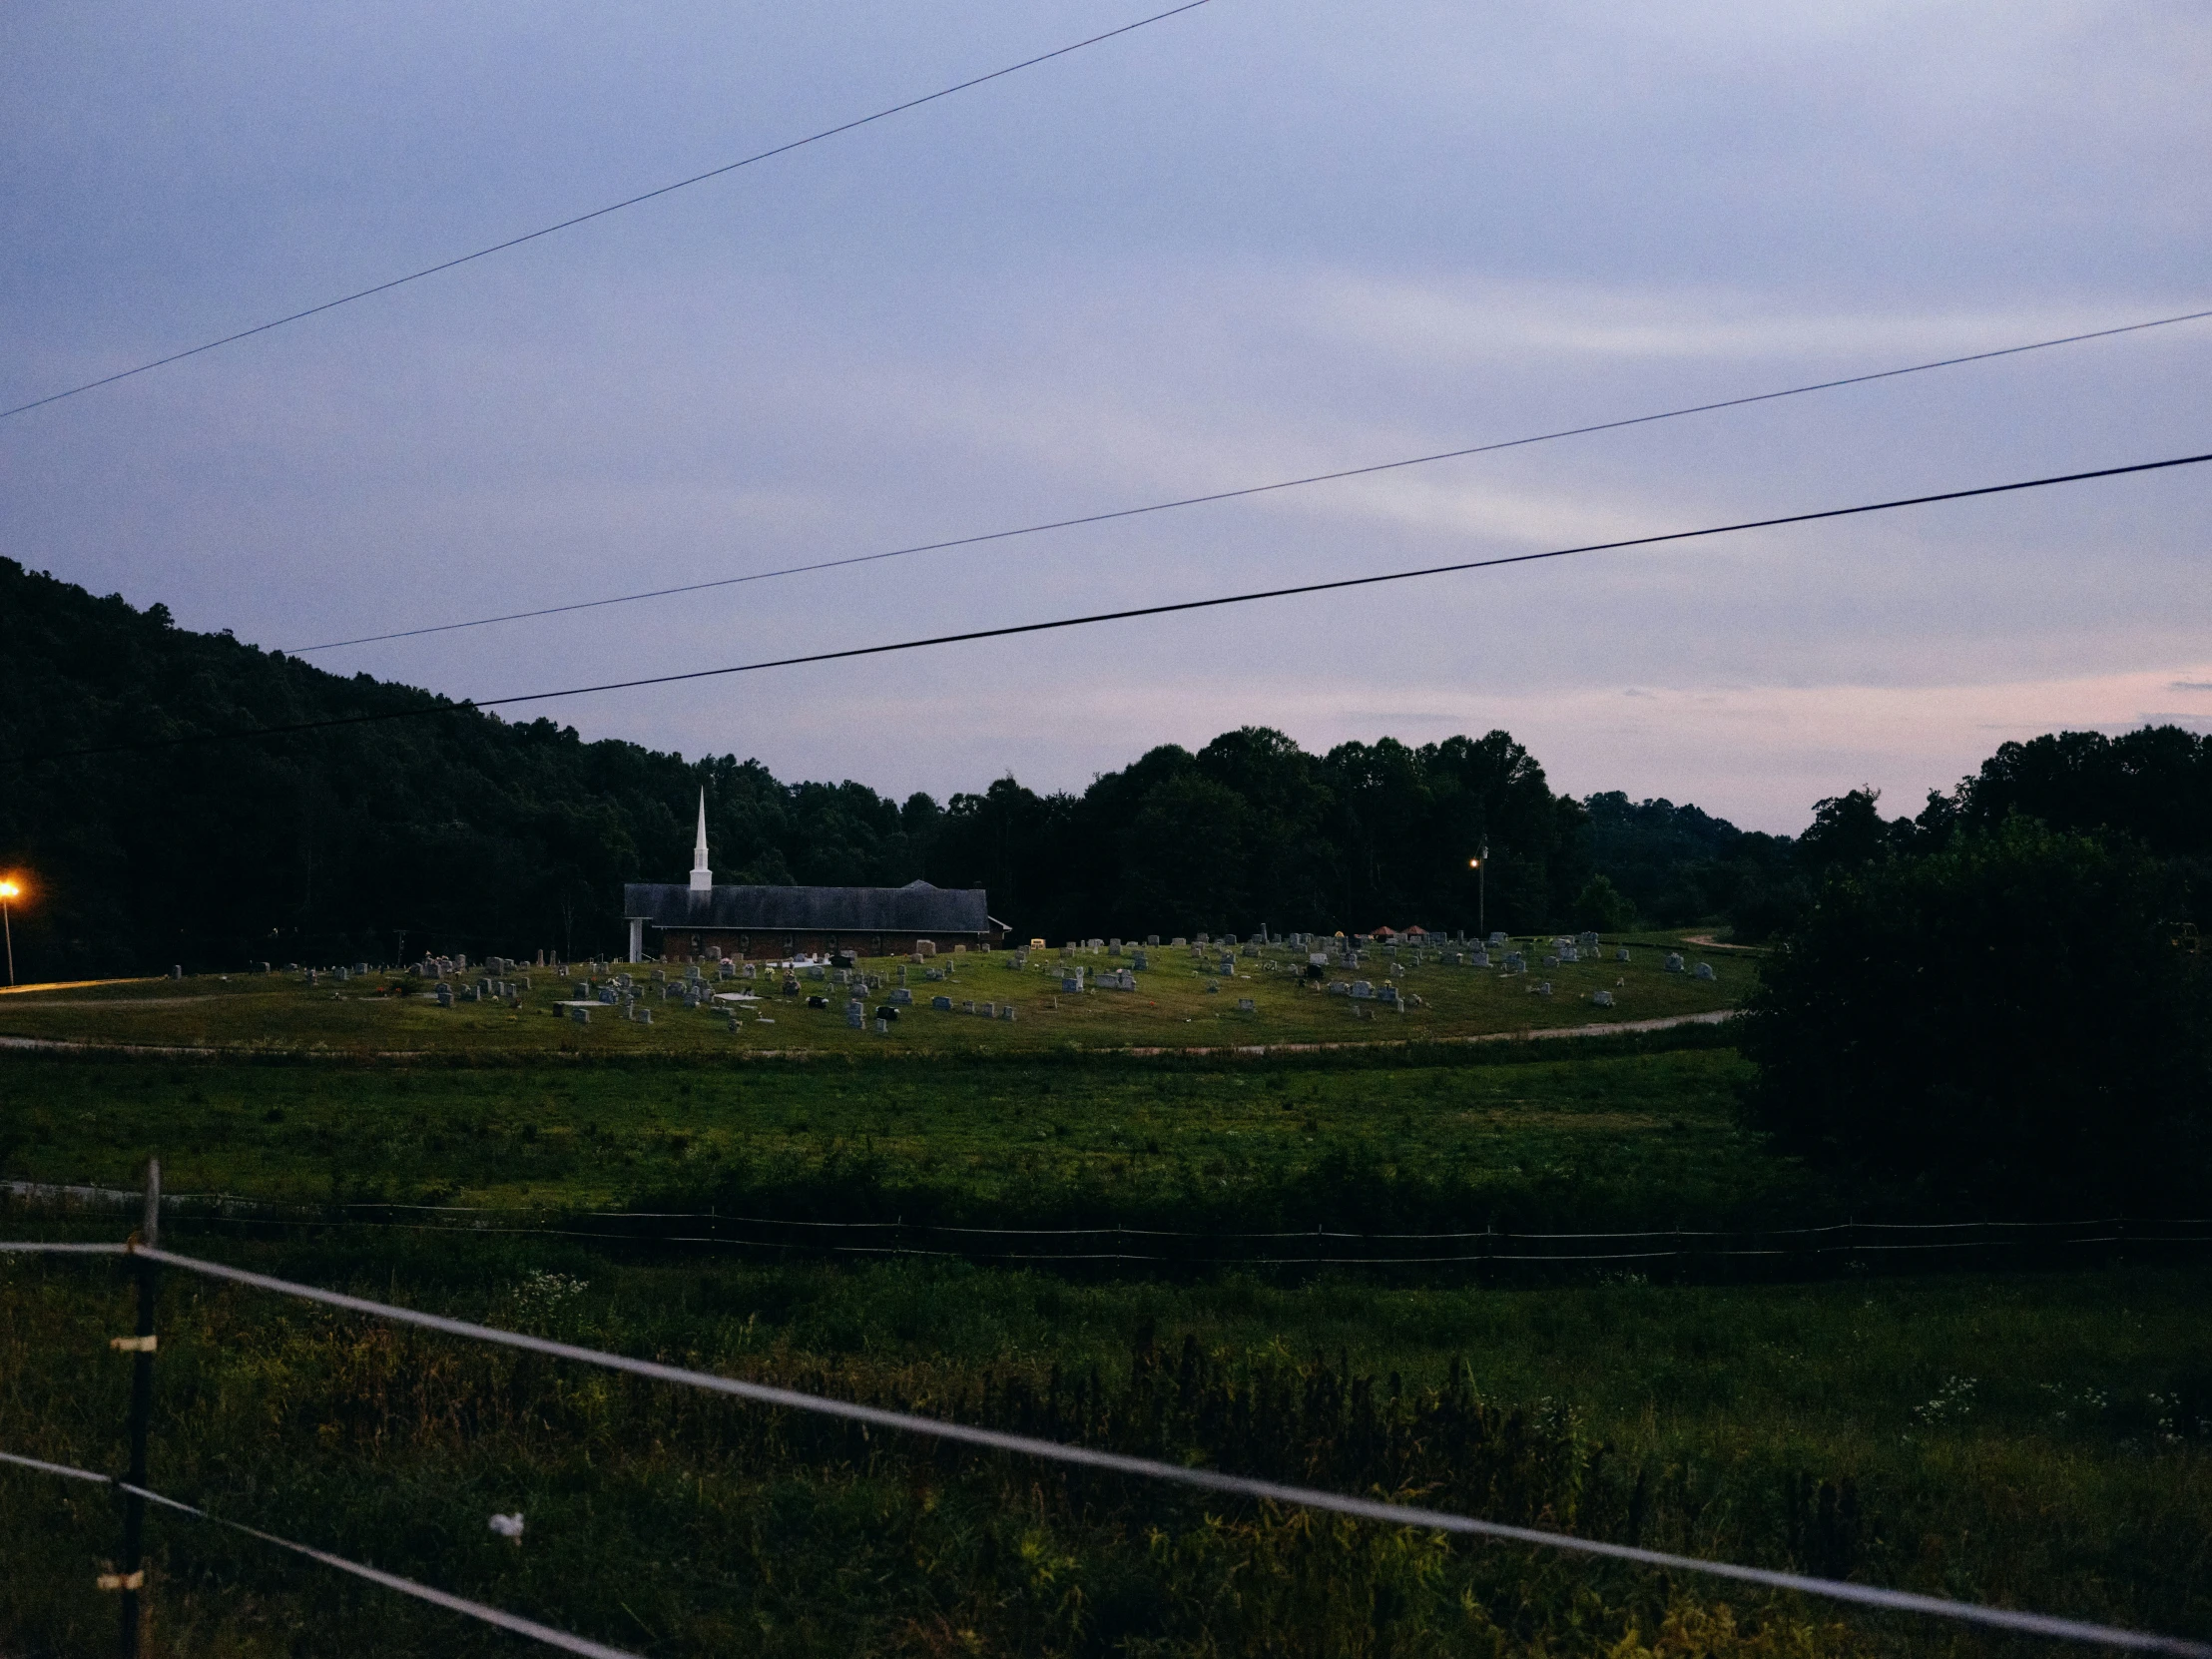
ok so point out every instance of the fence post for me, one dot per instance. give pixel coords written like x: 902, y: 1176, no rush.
x: 142, y: 1412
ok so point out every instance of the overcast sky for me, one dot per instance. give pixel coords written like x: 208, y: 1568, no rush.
x: 1251, y: 242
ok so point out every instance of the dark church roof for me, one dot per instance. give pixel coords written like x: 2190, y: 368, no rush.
x: 914, y: 908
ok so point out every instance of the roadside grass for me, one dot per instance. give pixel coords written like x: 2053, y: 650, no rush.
x: 1176, y: 1006
x: 2037, y: 1441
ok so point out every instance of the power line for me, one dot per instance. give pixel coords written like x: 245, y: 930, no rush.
x: 601, y: 212
x: 1259, y: 489
x: 1210, y: 1480
x: 1014, y: 629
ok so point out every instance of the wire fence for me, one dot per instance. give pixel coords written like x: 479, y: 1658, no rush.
x: 1811, y: 1246
x: 548, y: 1634
x: 143, y: 1258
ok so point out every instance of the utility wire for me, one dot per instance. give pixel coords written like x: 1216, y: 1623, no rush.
x: 601, y: 212
x: 1260, y: 489
x: 391, y: 1581
x: 1018, y: 628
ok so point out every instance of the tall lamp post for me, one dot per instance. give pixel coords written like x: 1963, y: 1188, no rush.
x: 1481, y: 878
x: 8, y: 893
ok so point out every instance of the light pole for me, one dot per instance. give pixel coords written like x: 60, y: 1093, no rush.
x: 1482, y: 876
x: 8, y: 891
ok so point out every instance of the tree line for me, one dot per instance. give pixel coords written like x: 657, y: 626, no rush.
x: 444, y: 828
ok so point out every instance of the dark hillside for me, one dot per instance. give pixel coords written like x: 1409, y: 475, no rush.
x: 1678, y: 864
x: 459, y: 830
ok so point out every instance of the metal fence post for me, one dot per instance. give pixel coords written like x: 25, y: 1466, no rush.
x: 142, y: 1412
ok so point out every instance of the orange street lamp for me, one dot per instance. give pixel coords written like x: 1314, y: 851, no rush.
x: 10, y: 891
x: 1482, y: 881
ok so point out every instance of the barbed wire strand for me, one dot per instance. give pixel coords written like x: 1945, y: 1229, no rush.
x: 391, y: 1581
x: 1202, y: 1479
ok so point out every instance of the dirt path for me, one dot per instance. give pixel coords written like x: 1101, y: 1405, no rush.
x: 1615, y: 1028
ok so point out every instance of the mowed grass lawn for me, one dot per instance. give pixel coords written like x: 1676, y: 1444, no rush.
x: 1519, y: 1135
x: 1177, y: 1005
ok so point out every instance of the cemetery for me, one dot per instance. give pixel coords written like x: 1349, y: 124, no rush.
x: 1094, y: 993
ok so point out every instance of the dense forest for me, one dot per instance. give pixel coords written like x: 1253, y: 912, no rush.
x: 448, y: 828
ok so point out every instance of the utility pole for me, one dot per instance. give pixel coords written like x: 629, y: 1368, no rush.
x: 1480, y: 864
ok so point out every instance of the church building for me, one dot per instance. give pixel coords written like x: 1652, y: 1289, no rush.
x: 700, y: 921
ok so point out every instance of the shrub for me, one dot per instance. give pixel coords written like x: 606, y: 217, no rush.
x: 2008, y: 1009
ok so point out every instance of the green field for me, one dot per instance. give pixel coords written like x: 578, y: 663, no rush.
x: 1178, y: 1004
x: 2038, y: 1438
x: 1623, y: 1133
x: 2028, y: 1441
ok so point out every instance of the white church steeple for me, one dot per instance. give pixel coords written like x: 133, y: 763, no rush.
x: 702, y: 878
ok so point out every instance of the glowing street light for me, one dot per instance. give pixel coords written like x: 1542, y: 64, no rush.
x: 1482, y: 881
x: 10, y: 889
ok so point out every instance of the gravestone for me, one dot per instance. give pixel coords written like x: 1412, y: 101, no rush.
x: 1542, y: 987
x: 1479, y: 957
x: 444, y: 995
x: 581, y: 1015
x: 1005, y: 1011
x: 1389, y: 995
x: 1362, y: 989
x: 902, y: 997
x: 645, y: 1016
x: 968, y: 1007
x: 1244, y: 1005
x: 1602, y: 999
x: 1496, y: 939
x: 854, y: 1016
x: 1212, y: 989
x: 882, y: 1028
x: 1140, y: 962
x: 1588, y: 941
x: 1620, y: 953
x: 1178, y: 942
x: 1673, y: 964
x: 989, y: 1010
x: 1153, y: 939
x: 1704, y: 971
x: 942, y: 1004
x: 1550, y: 962
x: 1515, y: 962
